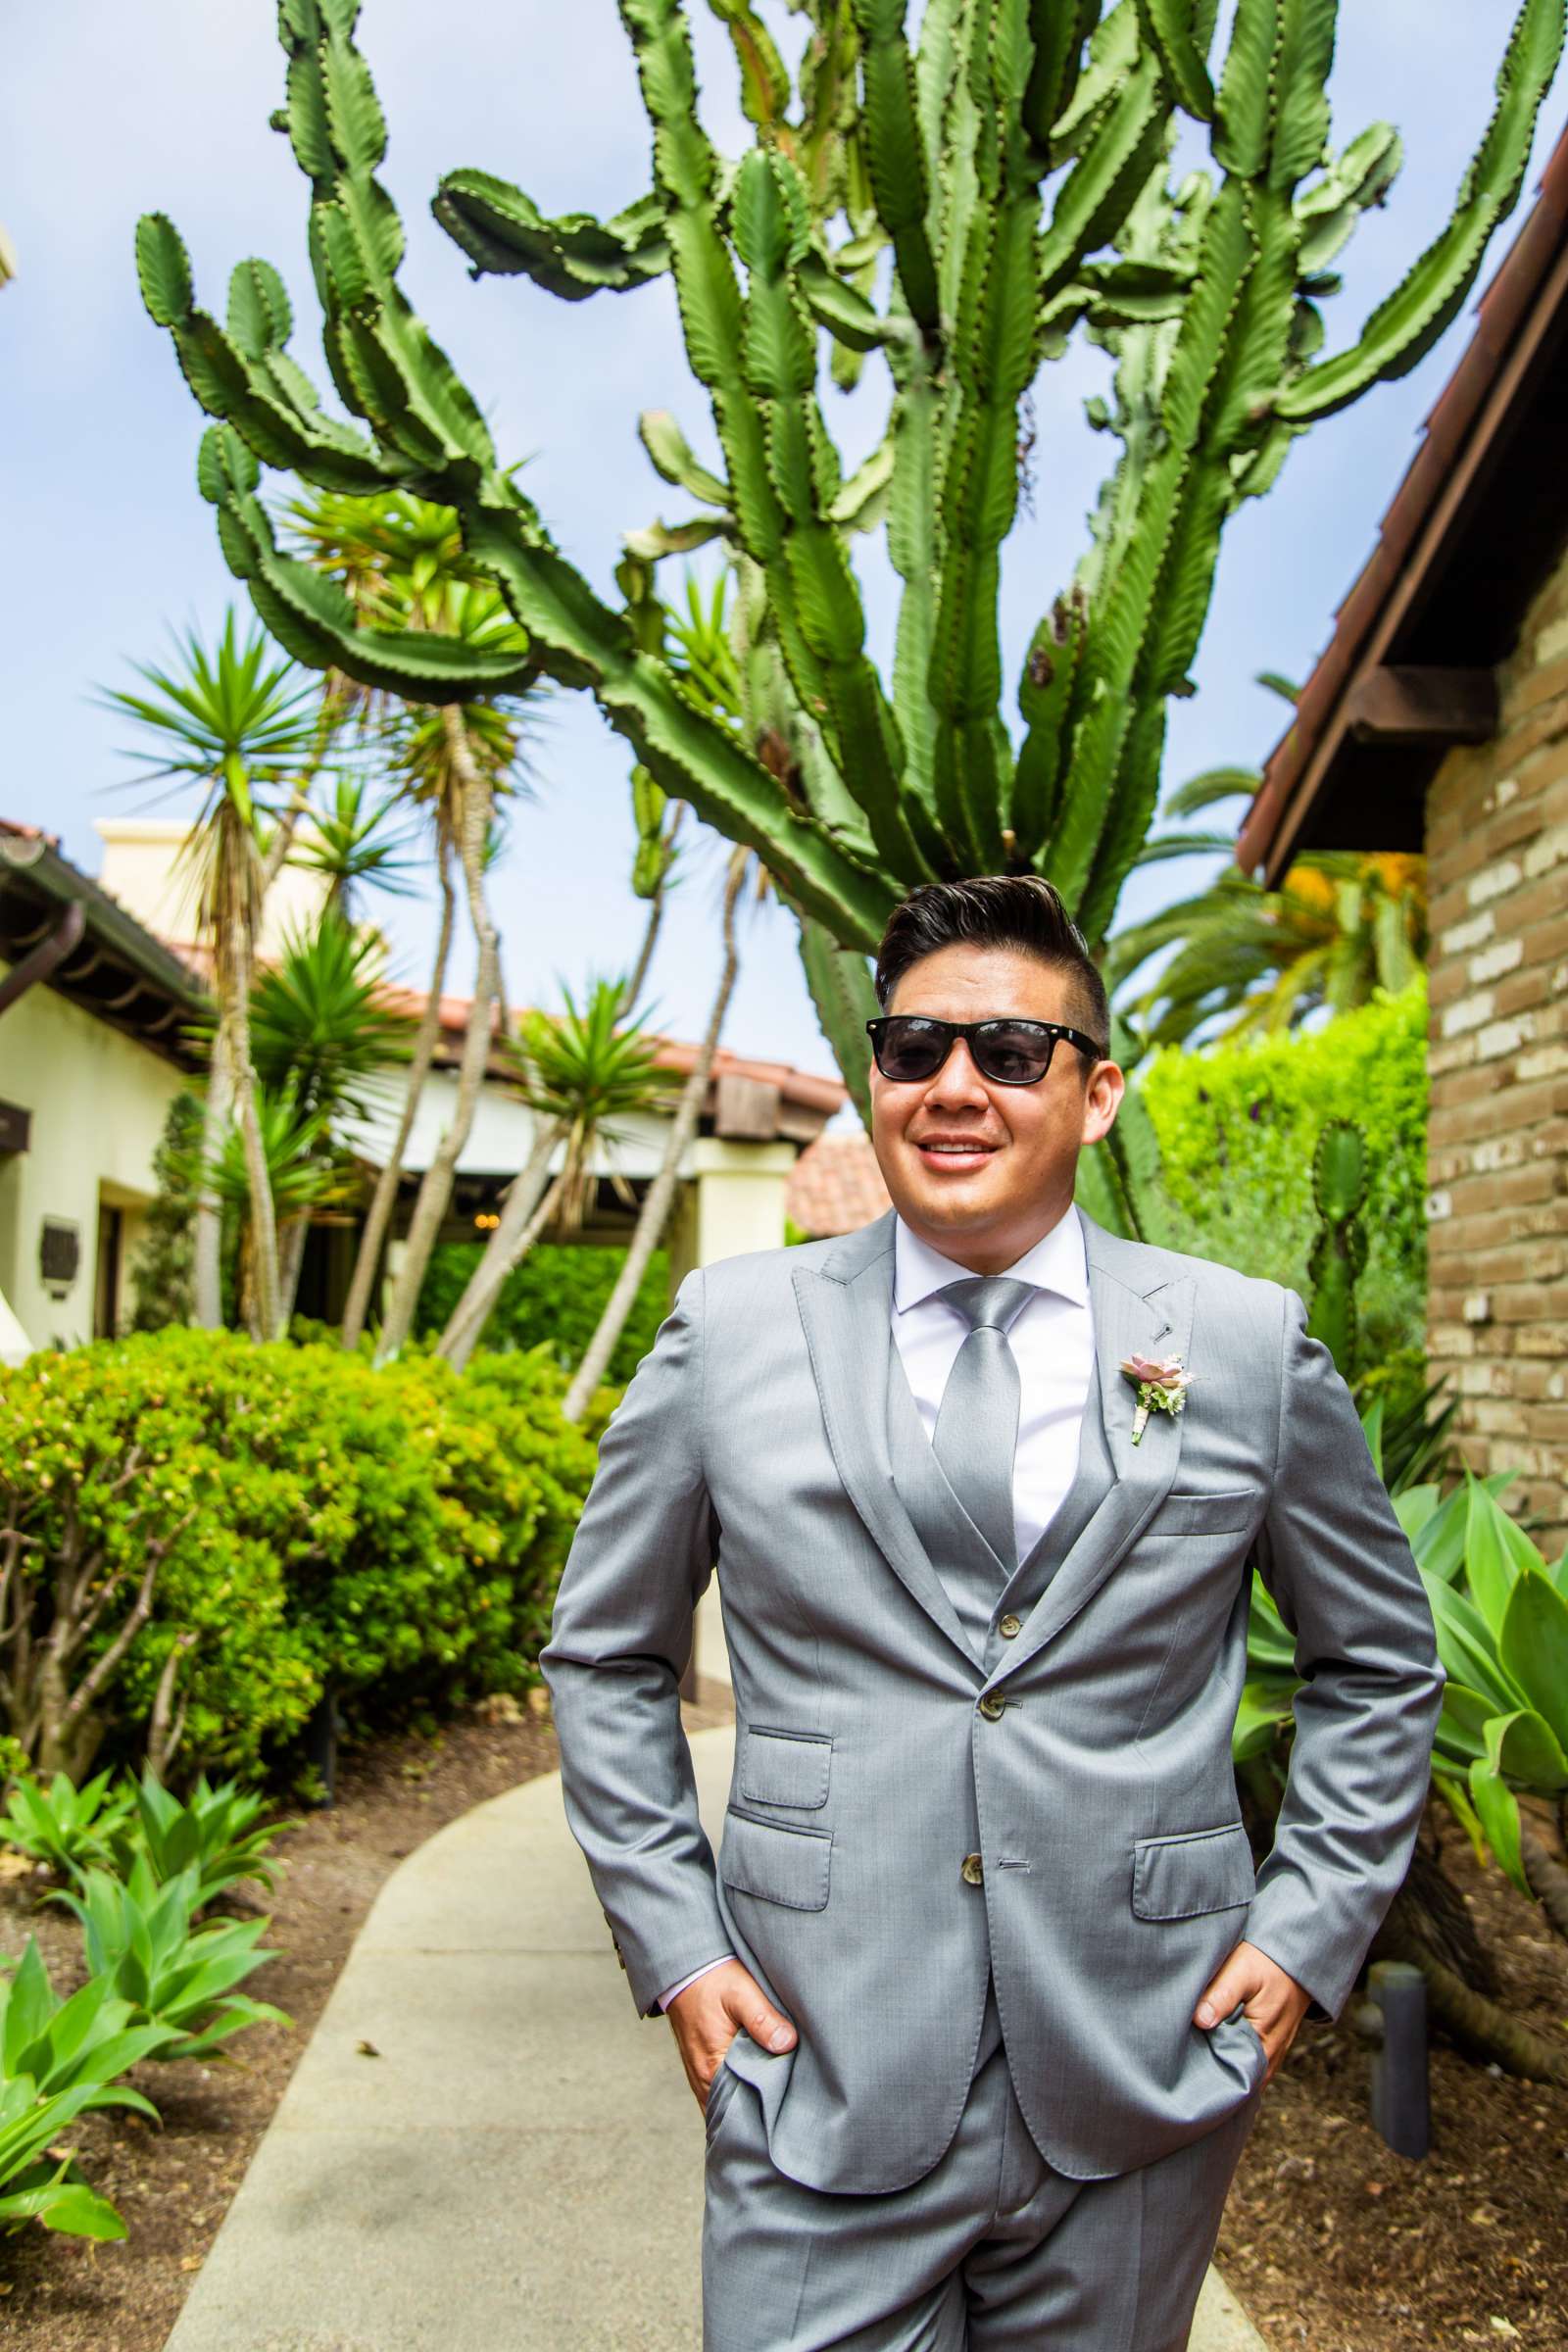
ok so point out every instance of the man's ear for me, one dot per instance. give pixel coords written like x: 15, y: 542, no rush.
x: 1108, y: 1083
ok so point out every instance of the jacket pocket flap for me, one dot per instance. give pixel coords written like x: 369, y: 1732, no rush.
x: 776, y: 1860
x: 1195, y: 1870
x: 784, y: 1768
x: 1222, y: 1514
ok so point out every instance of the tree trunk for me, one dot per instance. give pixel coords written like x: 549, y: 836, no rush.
x: 661, y: 1195
x: 435, y: 1191
x: 637, y: 977
x: 524, y: 1214
x: 207, y: 1281
x: 383, y: 1198
x: 290, y: 1258
x: 263, y: 1214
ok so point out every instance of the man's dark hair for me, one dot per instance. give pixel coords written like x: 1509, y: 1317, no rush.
x: 1023, y: 911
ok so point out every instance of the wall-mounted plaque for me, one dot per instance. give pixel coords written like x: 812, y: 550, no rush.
x: 58, y: 1253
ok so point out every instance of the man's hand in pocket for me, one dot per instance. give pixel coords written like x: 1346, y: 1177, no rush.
x: 709, y: 2013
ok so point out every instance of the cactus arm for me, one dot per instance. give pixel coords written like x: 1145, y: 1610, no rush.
x: 1127, y: 599
x: 778, y: 359
x: 1303, y: 60
x: 1339, y: 1249
x: 505, y: 234
x: 764, y: 78
x: 1170, y: 29
x: 672, y: 458
x: 695, y: 757
x: 895, y: 153
x: 841, y: 989
x: 1059, y: 30
x: 1104, y: 182
x: 1362, y: 176
x: 1051, y: 672
x: 1405, y: 327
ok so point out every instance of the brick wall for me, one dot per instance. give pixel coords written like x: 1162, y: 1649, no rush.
x: 1497, y: 1152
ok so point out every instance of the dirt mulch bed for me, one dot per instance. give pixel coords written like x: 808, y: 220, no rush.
x: 1333, y: 2241
x: 1330, y: 2240
x: 173, y: 2186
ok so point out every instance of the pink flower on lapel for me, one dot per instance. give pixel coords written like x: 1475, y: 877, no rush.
x: 1163, y: 1386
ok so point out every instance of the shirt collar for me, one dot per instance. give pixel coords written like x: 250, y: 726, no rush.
x: 1057, y: 1263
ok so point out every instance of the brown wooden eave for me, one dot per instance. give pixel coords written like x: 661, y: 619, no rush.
x: 1478, y: 520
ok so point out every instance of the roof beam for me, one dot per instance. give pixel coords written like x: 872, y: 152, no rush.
x: 1399, y: 704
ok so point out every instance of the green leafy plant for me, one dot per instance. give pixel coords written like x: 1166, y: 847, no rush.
x: 177, y: 1976
x: 58, y: 2060
x: 219, y: 1834
x: 62, y: 2043
x: 956, y: 204
x: 70, y: 1829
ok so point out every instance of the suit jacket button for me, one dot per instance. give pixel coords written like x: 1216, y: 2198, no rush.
x: 972, y: 1870
x: 991, y: 1705
x: 1009, y: 1625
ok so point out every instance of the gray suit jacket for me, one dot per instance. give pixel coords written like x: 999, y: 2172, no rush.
x: 1115, y: 1874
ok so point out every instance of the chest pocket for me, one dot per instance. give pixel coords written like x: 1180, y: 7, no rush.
x: 784, y: 1768
x: 1224, y: 1514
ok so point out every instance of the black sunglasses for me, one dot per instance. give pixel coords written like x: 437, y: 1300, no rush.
x: 910, y: 1047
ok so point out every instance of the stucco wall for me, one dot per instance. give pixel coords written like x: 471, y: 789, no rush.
x: 1497, y: 845
x: 98, y: 1101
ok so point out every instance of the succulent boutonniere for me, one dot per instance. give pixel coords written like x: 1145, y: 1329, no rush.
x: 1163, y: 1387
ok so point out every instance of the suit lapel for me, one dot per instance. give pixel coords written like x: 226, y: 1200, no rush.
x: 1137, y: 1311
x: 846, y: 1306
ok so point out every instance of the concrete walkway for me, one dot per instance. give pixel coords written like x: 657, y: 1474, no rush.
x: 520, y: 2166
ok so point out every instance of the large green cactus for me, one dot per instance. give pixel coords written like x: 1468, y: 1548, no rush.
x: 1012, y: 158
x: 1338, y: 1250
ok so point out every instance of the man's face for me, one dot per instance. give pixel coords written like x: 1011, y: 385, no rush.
x: 986, y: 1205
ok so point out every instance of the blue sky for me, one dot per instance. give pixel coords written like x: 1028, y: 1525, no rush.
x: 108, y: 110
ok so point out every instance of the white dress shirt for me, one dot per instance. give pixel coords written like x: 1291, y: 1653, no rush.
x: 1053, y: 1340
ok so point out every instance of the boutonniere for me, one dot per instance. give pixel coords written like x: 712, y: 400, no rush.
x: 1163, y: 1386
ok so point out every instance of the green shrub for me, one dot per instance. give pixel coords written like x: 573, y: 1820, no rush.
x: 399, y: 1530
x: 1238, y: 1125
x: 554, y: 1299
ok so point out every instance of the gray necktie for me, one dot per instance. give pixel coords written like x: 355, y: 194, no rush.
x: 978, y: 1423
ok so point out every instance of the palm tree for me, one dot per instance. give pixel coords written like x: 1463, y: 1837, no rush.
x: 1341, y: 925
x: 402, y: 562
x: 354, y: 847
x: 252, y: 731
x: 323, y: 1032
x: 581, y: 1072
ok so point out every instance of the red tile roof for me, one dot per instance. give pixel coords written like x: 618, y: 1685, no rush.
x: 835, y: 1185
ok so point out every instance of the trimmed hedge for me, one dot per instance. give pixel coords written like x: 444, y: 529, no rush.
x: 554, y: 1300
x: 1236, y: 1127
x: 402, y: 1530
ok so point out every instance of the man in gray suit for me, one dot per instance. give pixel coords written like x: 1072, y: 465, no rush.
x: 982, y: 1992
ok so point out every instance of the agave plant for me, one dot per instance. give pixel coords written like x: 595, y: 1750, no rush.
x: 219, y: 1834
x: 70, y: 1829
x: 58, y: 2060
x: 175, y: 1976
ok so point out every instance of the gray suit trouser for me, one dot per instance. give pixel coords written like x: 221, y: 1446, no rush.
x: 991, y: 2248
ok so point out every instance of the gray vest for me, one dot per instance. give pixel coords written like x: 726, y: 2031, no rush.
x: 976, y: 1581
